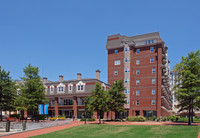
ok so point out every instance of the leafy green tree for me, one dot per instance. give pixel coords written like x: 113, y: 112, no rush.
x: 32, y: 91
x: 187, y: 91
x: 98, y: 101
x: 7, y: 92
x: 116, y: 97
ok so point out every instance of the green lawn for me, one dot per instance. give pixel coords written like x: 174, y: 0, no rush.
x: 118, y: 131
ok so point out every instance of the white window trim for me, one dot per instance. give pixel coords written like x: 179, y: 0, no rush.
x: 152, y: 71
x: 138, y: 81
x: 154, y: 81
x: 150, y: 49
x: 152, y: 92
x: 137, y: 63
x: 137, y: 72
x: 117, y: 62
x: 137, y: 93
x: 70, y: 91
x: 137, y: 51
x: 116, y: 72
x: 136, y: 102
x: 79, y: 84
x: 61, y: 85
x: 152, y: 102
x: 50, y: 91
x: 151, y: 61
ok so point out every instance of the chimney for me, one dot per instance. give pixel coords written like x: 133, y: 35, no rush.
x: 44, y: 79
x: 60, y: 78
x: 98, y: 74
x: 78, y: 76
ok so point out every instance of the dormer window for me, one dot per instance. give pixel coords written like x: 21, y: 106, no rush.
x: 80, y: 87
x: 70, y: 88
x: 61, y: 88
x: 51, y: 89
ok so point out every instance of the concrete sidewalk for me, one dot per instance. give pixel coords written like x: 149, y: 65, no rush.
x: 30, y: 133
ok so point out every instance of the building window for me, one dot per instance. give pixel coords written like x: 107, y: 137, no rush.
x: 137, y: 102
x: 127, y: 60
x: 126, y: 49
x: 151, y: 60
x: 126, y: 80
x: 153, y: 81
x: 137, y: 72
x: 80, y: 86
x: 153, y: 91
x: 70, y: 88
x: 153, y: 70
x: 137, y: 82
x: 116, y: 72
x: 138, y: 51
x: 60, y: 89
x: 151, y: 49
x: 126, y: 70
x: 126, y: 91
x: 137, y: 92
x: 116, y: 51
x: 68, y: 102
x: 117, y: 62
x: 153, y: 102
x: 137, y: 62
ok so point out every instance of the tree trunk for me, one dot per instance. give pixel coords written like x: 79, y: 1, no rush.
x: 189, y: 116
x: 192, y: 112
x: 1, y: 116
x: 100, y: 119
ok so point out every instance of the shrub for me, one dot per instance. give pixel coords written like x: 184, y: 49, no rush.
x: 53, y: 118
x: 82, y: 119
x: 91, y: 119
x: 154, y: 118
x: 136, y: 118
x: 158, y: 119
x: 41, y: 117
x: 17, y: 116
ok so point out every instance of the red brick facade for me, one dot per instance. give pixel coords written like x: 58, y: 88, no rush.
x: 145, y: 77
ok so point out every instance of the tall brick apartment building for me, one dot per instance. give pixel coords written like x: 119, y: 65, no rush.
x: 142, y: 62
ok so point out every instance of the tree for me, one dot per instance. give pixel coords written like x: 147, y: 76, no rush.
x: 98, y: 101
x: 32, y: 91
x: 116, y: 97
x: 187, y: 91
x: 7, y: 92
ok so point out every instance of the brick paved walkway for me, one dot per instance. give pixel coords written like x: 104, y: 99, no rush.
x: 43, y: 131
x: 77, y: 123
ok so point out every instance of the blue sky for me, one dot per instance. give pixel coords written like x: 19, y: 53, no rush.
x: 68, y: 37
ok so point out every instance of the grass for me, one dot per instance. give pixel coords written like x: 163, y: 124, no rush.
x: 118, y: 131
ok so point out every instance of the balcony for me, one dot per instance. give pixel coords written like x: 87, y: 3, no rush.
x: 163, y: 55
x: 164, y: 61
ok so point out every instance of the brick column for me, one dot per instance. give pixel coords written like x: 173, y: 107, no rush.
x: 56, y: 107
x: 95, y: 115
x: 105, y: 115
x: 75, y: 106
x: 130, y: 113
x: 25, y: 114
x: 141, y: 113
